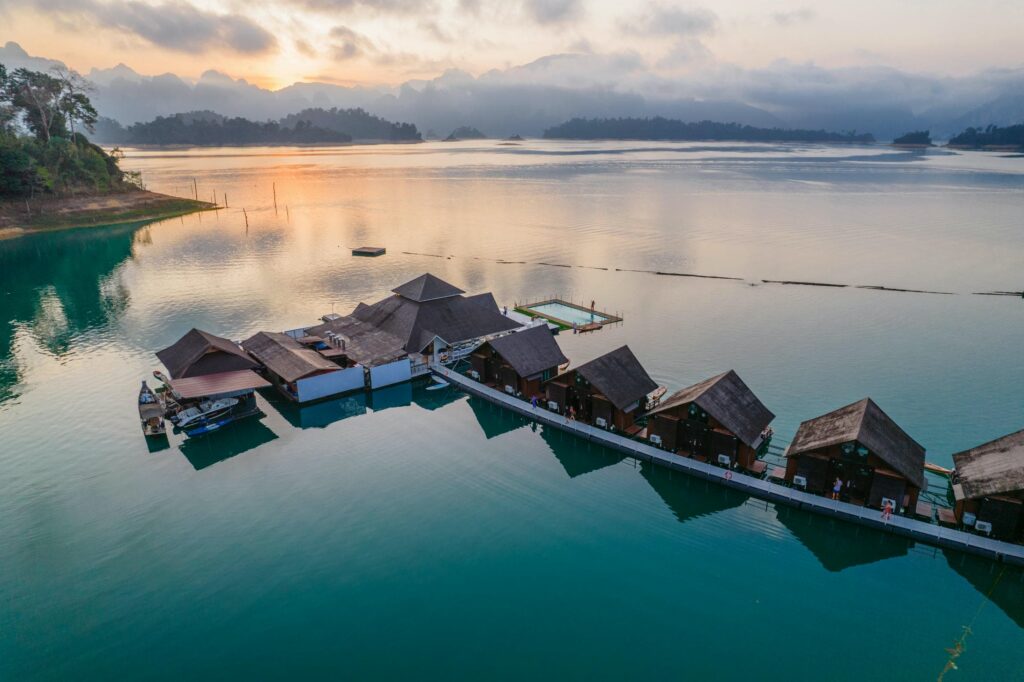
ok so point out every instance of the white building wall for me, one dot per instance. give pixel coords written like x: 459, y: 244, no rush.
x: 332, y: 383
x: 392, y: 373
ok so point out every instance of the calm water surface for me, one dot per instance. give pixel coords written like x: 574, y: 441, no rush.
x: 414, y: 534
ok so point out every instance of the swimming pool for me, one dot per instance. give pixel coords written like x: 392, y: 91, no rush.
x: 562, y: 312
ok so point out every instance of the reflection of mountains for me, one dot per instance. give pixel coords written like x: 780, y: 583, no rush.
x: 242, y: 436
x: 839, y: 545
x: 576, y: 455
x: 1002, y: 585
x: 59, y: 284
x: 689, y: 498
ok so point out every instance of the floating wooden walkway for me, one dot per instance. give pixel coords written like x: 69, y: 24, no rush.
x: 913, y: 529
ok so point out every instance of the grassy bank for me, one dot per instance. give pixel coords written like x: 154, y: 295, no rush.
x: 56, y: 213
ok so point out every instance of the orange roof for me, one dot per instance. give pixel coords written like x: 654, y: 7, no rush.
x: 217, y: 384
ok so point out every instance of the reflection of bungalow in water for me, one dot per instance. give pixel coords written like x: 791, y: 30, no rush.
x: 687, y: 497
x: 198, y: 353
x: 609, y: 391
x: 863, y: 447
x: 425, y: 319
x: 718, y: 419
x: 988, y: 486
x: 838, y: 551
x: 518, y: 363
x: 301, y: 373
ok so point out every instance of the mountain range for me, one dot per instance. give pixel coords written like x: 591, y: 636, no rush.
x: 530, y: 98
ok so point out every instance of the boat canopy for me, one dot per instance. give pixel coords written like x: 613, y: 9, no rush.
x: 220, y: 384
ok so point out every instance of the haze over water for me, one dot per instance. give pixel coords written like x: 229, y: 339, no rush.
x: 412, y: 533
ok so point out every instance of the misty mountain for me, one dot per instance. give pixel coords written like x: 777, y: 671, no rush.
x: 529, y: 98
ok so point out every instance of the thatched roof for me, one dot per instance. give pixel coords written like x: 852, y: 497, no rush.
x: 619, y: 376
x: 453, y: 318
x: 992, y: 468
x: 198, y: 352
x: 286, y: 357
x: 425, y: 288
x: 530, y: 351
x: 865, y: 423
x: 364, y: 343
x: 728, y: 399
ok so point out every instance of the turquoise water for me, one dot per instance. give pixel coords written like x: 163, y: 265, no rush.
x: 565, y: 313
x: 414, y: 533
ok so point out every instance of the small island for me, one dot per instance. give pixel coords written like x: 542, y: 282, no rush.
x: 919, y: 138
x: 992, y: 138
x: 465, y: 133
x: 51, y: 175
x: 659, y: 128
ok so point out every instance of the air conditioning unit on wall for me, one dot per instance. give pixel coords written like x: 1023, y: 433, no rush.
x: 655, y: 439
x: 800, y: 482
x: 983, y: 527
x: 725, y: 460
x: 602, y: 422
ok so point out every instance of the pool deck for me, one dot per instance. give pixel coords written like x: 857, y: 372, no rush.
x: 530, y: 309
x: 912, y: 529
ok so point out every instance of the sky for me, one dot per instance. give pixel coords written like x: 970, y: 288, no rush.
x: 274, y: 43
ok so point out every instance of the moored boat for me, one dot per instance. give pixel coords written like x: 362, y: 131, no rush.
x: 151, y: 412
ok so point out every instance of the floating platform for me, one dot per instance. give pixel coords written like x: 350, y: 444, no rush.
x: 369, y: 251
x: 920, y: 531
x: 567, y: 314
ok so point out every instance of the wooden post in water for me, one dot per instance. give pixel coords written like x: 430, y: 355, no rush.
x: 287, y: 213
x: 246, y: 220
x: 226, y: 200
x: 274, y: 187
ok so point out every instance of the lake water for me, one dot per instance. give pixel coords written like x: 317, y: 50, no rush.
x: 423, y: 534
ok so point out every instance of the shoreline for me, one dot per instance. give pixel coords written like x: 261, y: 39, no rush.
x: 19, y: 218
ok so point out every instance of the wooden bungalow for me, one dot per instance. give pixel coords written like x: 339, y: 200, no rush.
x: 610, y: 391
x: 199, y: 353
x: 720, y: 419
x: 862, y: 446
x: 988, y: 487
x: 301, y: 373
x: 519, y: 363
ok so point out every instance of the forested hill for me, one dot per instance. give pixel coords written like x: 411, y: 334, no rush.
x: 659, y: 128
x: 361, y: 125
x: 992, y: 136
x: 310, y: 126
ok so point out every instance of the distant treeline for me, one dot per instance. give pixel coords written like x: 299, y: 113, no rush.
x: 659, y: 128
x: 206, y: 128
x: 992, y: 136
x: 918, y: 137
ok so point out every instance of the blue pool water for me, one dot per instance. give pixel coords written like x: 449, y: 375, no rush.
x: 567, y: 313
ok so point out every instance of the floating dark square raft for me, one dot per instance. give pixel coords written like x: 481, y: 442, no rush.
x: 370, y: 251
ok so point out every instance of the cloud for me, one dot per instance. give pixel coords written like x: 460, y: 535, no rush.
x: 374, y: 6
x: 553, y: 11
x: 177, y: 26
x: 664, y: 20
x: 796, y: 16
x: 349, y: 44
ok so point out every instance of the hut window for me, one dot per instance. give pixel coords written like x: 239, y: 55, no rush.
x: 697, y: 413
x: 546, y: 374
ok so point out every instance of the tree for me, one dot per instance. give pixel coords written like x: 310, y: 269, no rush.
x: 73, y: 102
x: 39, y: 96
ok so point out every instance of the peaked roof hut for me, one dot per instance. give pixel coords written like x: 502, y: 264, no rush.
x: 619, y: 376
x: 530, y: 351
x: 992, y: 468
x: 730, y: 401
x: 865, y: 423
x: 199, y: 353
x: 427, y: 308
x: 988, y: 482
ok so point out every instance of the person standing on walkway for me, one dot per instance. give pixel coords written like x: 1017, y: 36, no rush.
x: 836, y: 488
x: 887, y: 511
